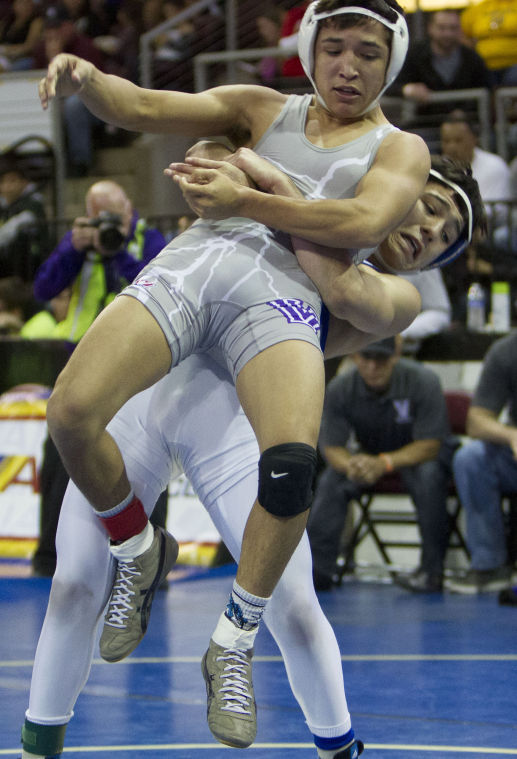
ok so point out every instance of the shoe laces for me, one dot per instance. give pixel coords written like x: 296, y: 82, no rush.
x: 235, y: 689
x: 123, y: 591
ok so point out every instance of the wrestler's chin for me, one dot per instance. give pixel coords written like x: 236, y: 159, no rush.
x: 395, y: 257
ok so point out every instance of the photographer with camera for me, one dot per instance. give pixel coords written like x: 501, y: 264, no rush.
x: 101, y: 254
x: 104, y: 251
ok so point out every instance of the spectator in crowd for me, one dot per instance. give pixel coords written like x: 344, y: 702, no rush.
x: 151, y: 14
x: 120, y: 46
x: 435, y: 315
x: 23, y: 223
x: 16, y: 305
x: 505, y: 236
x: 485, y: 468
x: 175, y: 43
x: 385, y: 414
x: 61, y: 36
x: 459, y: 140
x: 20, y: 30
x: 101, y: 253
x: 513, y: 178
x: 288, y: 34
x: 45, y: 324
x: 19, y: 314
x: 440, y: 62
x: 269, y: 27
x: 93, y: 19
x: 491, y: 25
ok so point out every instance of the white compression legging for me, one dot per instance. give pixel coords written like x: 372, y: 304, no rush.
x: 81, y: 588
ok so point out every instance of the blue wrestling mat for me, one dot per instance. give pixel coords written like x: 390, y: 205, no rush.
x: 431, y: 677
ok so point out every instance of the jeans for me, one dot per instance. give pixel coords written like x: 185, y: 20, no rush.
x: 483, y: 472
x: 427, y: 485
x: 79, y: 124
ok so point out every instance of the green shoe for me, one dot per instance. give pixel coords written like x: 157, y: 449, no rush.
x: 231, y: 710
x: 136, y: 582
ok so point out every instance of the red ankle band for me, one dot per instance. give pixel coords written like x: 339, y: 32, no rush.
x: 128, y: 522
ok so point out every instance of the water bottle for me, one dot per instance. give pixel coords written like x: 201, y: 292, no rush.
x: 476, y: 304
x: 501, y: 306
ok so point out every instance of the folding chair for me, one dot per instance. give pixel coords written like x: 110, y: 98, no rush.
x: 391, y: 484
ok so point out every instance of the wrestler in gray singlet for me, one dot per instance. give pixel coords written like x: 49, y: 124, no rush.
x: 235, y: 283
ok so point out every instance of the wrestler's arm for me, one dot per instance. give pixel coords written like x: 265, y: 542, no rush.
x: 384, y: 197
x: 222, y: 110
x: 371, y: 321
x: 368, y: 301
x: 371, y: 302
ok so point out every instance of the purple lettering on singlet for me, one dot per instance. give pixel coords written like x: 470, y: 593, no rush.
x: 296, y: 312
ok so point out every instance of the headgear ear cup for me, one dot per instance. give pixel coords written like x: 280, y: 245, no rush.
x: 309, y: 29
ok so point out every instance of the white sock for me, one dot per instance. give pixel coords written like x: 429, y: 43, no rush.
x: 228, y: 635
x: 245, y: 609
x: 135, y: 546
x: 27, y: 755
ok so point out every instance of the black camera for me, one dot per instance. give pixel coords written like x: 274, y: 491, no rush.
x: 110, y: 236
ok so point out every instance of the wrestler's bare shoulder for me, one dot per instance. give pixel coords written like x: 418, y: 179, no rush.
x: 405, y: 141
x: 404, y: 152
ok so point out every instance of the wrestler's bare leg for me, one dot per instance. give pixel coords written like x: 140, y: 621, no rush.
x: 123, y: 352
x: 281, y: 391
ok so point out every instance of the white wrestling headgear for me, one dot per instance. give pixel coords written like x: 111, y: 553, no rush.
x: 309, y: 29
x: 454, y: 250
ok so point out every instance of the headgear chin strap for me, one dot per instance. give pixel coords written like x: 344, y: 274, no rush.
x: 454, y: 250
x: 309, y: 30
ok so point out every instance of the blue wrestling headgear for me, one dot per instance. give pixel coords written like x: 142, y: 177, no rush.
x: 454, y: 250
x: 309, y: 30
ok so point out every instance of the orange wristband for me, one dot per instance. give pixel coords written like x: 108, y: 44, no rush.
x: 388, y: 463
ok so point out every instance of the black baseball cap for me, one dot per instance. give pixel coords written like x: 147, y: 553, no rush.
x: 382, y: 348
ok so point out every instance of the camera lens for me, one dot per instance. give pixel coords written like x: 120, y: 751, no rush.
x: 111, y: 238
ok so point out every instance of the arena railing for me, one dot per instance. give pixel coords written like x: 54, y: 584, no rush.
x: 227, y: 39
x: 505, y: 103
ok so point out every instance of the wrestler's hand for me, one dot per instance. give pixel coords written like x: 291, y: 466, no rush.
x: 66, y: 74
x: 210, y: 192
x: 192, y: 163
x: 266, y: 176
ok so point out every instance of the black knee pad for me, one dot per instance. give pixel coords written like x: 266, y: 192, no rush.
x: 286, y: 476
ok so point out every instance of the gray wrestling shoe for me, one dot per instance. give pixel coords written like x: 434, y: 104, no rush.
x: 136, y: 582
x: 231, y: 710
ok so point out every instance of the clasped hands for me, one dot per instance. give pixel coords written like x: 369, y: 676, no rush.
x: 365, y: 469
x: 214, y: 188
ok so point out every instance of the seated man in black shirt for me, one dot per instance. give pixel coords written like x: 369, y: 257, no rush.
x: 385, y: 414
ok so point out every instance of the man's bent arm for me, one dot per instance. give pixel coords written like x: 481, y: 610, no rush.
x: 370, y: 301
x: 415, y: 453
x: 384, y: 197
x: 484, y: 424
x: 337, y: 457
